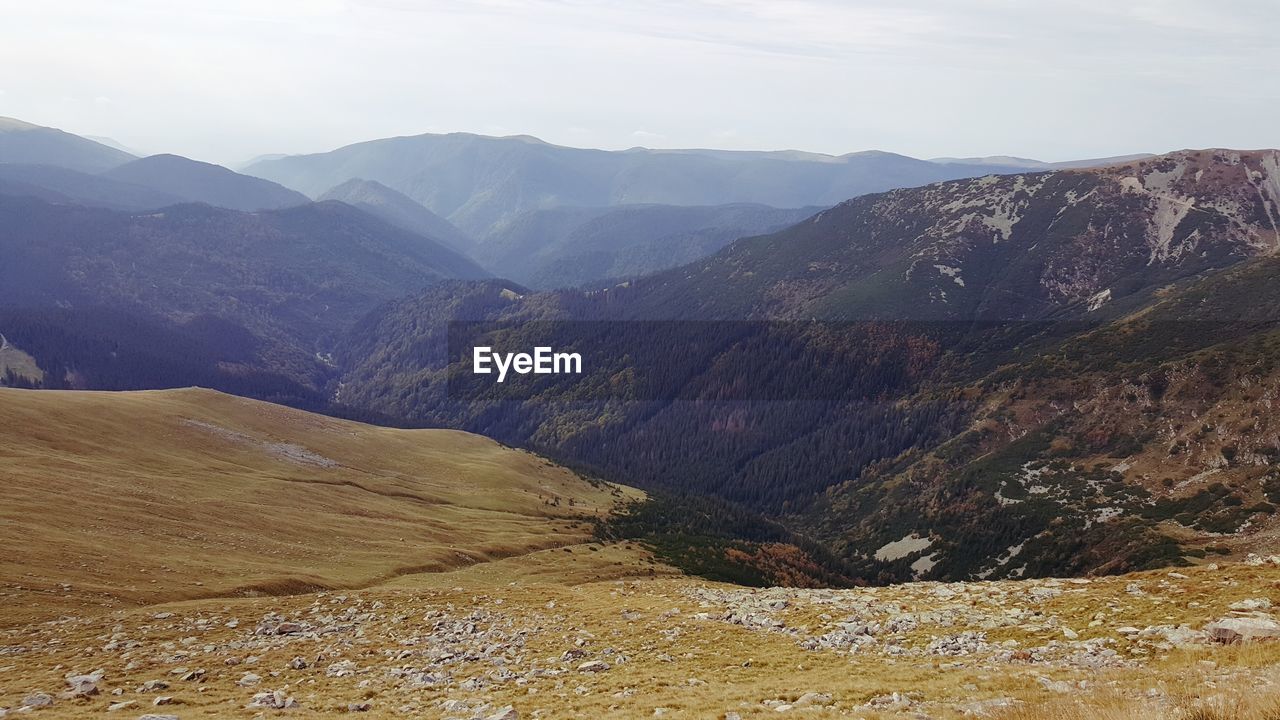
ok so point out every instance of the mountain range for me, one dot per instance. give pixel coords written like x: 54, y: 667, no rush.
x: 477, y: 182
x: 28, y: 144
x: 895, y: 369
x: 194, y: 294
x: 978, y: 370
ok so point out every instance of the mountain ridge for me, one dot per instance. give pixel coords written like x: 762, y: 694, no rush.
x: 196, y: 181
x: 28, y: 143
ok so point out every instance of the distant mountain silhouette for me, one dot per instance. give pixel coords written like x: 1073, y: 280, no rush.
x: 572, y: 246
x: 399, y: 209
x: 23, y: 142
x: 63, y: 185
x: 204, y: 182
x: 477, y: 182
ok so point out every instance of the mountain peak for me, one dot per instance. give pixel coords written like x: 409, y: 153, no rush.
x: 8, y: 124
x: 26, y: 143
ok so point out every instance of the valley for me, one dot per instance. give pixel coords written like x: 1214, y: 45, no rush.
x: 701, y: 360
x: 220, y: 557
x: 854, y: 436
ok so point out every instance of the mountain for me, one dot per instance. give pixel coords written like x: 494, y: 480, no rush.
x: 1015, y: 247
x: 197, y: 181
x: 113, y: 143
x: 569, y: 246
x: 1070, y: 368
x: 200, y: 294
x: 61, y: 185
x: 24, y: 143
x: 477, y: 182
x: 396, y: 208
x: 1028, y: 164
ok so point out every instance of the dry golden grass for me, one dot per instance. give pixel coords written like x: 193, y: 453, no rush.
x: 693, y: 668
x: 137, y: 498
x: 1229, y: 703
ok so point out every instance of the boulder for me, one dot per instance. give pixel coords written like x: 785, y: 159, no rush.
x: 1235, y: 630
x: 276, y: 700
x: 37, y: 700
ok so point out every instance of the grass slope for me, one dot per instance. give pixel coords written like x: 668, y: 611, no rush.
x: 120, y: 499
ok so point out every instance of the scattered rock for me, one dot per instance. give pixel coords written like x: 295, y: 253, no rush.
x: 37, y: 700
x: 593, y: 666
x: 113, y: 707
x: 1252, y: 604
x: 811, y: 699
x: 276, y: 700
x: 152, y: 686
x: 83, y: 685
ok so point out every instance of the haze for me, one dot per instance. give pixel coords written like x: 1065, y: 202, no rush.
x: 225, y: 81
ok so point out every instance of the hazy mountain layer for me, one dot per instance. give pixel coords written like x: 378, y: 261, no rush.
x: 478, y: 182
x: 195, y: 181
x: 56, y: 184
x: 566, y: 247
x: 398, y: 209
x: 266, y: 291
x: 25, y: 143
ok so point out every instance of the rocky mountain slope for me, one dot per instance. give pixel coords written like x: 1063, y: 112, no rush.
x: 476, y: 181
x: 28, y: 144
x: 996, y: 248
x: 1048, y: 373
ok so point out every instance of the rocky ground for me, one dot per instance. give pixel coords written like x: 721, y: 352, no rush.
x: 500, y: 642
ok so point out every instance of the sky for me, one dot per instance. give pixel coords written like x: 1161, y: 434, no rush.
x: 229, y: 80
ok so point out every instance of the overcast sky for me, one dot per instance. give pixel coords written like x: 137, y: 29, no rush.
x: 1053, y: 79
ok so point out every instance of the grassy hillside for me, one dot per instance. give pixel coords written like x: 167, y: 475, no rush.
x: 120, y: 499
